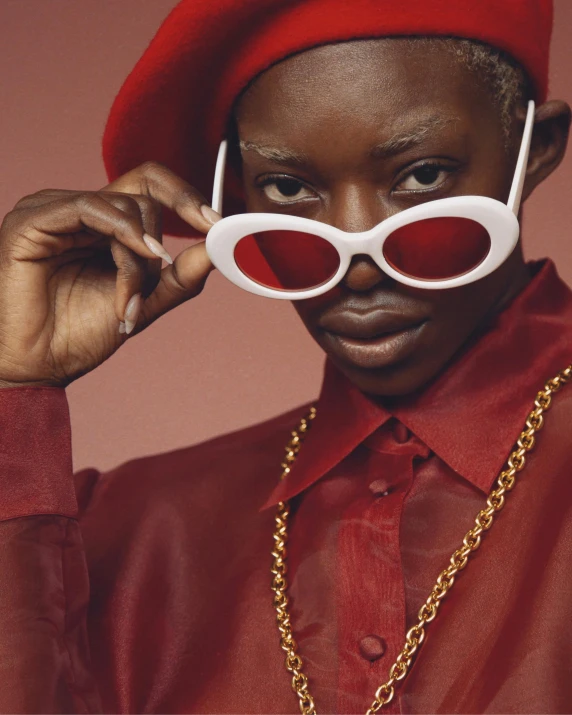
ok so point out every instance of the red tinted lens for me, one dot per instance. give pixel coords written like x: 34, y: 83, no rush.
x: 286, y: 260
x: 437, y: 248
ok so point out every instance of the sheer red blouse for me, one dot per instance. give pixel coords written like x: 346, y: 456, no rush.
x: 146, y: 589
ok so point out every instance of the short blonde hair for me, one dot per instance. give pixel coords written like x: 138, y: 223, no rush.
x: 507, y: 81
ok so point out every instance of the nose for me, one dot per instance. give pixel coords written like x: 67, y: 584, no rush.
x: 355, y: 209
x: 363, y: 274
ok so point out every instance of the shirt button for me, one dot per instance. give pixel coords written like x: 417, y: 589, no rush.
x: 380, y: 488
x: 372, y: 647
x: 400, y: 432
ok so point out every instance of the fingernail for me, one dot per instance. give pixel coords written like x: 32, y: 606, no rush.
x: 122, y: 327
x: 157, y: 248
x: 132, y: 312
x: 210, y: 215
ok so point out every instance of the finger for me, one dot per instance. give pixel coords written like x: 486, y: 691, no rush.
x: 183, y: 280
x: 42, y: 227
x: 39, y: 198
x: 151, y: 215
x: 150, y: 211
x: 131, y: 270
x: 136, y: 276
x: 163, y: 185
x: 114, y: 222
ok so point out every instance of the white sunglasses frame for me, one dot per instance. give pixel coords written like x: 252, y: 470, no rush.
x: 500, y: 220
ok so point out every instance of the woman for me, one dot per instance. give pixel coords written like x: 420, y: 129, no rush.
x: 148, y: 588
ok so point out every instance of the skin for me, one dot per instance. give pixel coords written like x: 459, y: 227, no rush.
x: 77, y: 277
x: 314, y: 119
x: 81, y: 271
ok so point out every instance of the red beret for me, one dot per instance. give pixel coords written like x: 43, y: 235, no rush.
x: 174, y: 105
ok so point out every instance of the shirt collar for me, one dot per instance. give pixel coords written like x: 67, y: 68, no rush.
x: 472, y: 413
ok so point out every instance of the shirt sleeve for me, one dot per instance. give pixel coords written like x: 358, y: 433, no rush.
x: 44, y: 584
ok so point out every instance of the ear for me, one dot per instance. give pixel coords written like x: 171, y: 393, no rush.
x: 549, y: 141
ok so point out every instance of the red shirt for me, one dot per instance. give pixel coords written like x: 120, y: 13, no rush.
x: 147, y: 588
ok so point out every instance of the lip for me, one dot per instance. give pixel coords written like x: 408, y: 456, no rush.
x: 368, y: 325
x: 370, y: 350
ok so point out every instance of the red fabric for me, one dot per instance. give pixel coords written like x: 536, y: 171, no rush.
x: 36, y: 463
x: 174, y: 105
x: 156, y: 599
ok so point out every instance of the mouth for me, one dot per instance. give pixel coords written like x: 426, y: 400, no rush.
x: 372, y: 341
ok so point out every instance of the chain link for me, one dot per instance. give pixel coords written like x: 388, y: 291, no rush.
x: 459, y: 559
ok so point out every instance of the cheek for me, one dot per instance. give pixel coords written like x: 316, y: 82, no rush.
x: 458, y: 312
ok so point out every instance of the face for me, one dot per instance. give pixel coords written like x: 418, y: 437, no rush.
x: 351, y: 133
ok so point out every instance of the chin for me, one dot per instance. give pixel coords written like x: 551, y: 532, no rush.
x: 393, y: 381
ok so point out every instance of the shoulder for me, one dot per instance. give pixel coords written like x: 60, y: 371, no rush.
x: 245, y: 459
x: 181, y: 504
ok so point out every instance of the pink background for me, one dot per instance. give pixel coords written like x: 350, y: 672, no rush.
x: 227, y: 358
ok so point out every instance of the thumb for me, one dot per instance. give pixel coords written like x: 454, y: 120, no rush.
x: 179, y: 282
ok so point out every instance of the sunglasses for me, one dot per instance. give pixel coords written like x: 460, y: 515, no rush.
x: 440, y: 244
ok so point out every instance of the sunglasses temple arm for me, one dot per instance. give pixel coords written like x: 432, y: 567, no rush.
x: 522, y: 162
x: 219, y: 177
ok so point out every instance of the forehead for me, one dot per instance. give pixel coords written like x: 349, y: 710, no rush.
x: 360, y: 86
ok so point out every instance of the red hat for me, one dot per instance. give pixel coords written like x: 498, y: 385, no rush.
x: 174, y: 105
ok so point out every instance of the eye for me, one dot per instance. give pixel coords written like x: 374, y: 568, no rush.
x: 284, y: 190
x: 428, y: 176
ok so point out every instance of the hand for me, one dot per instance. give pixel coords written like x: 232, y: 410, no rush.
x: 77, y: 276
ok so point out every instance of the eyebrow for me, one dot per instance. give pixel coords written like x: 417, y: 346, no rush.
x: 396, y: 144
x: 280, y: 156
x: 399, y: 143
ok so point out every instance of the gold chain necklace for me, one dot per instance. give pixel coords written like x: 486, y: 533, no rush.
x: 415, y: 635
